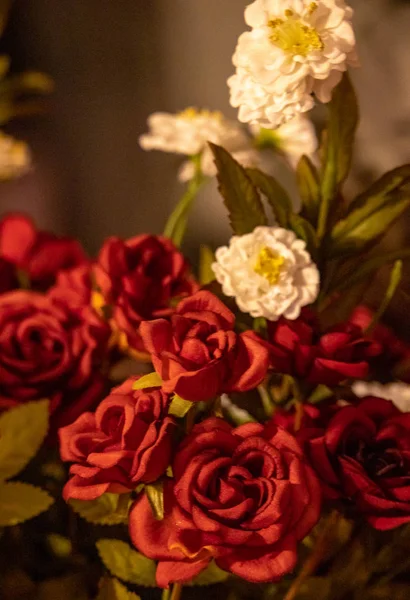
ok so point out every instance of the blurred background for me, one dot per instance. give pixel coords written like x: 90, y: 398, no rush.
x: 114, y: 63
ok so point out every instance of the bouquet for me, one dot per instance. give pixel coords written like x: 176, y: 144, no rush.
x: 244, y: 425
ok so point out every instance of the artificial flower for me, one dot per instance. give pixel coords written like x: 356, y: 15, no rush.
x: 269, y: 273
x: 14, y: 157
x: 243, y: 496
x: 141, y: 278
x: 126, y: 442
x: 296, y: 48
x: 189, y: 132
x: 198, y: 354
x: 362, y: 455
x: 397, y: 392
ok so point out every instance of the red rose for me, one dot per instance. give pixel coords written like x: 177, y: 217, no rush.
x: 49, y: 351
x: 364, y: 455
x: 40, y: 254
x: 141, y: 278
x: 286, y: 418
x: 299, y: 349
x: 198, y: 354
x: 244, y: 497
x: 126, y: 442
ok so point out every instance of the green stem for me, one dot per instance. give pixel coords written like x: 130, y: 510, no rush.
x: 266, y: 400
x: 166, y: 594
x: 177, y: 221
x: 176, y: 592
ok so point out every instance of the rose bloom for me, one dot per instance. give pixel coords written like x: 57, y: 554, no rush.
x: 49, y: 351
x: 198, y: 354
x: 126, y: 442
x: 38, y: 253
x: 363, y: 455
x: 141, y: 278
x: 243, y: 496
x: 299, y: 349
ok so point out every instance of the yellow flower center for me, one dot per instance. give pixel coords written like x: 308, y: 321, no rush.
x: 192, y: 113
x: 269, y: 265
x: 293, y: 36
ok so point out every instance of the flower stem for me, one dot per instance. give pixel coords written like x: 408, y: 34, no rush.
x: 266, y: 400
x: 176, y: 592
x: 166, y: 594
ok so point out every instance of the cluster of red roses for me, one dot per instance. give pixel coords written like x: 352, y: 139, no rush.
x: 242, y: 496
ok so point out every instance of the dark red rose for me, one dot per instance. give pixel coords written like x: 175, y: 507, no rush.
x: 395, y: 354
x: 198, y: 354
x: 286, y: 418
x: 8, y: 276
x: 49, y: 351
x: 299, y: 349
x: 38, y: 253
x: 243, y: 496
x: 141, y: 278
x: 126, y: 442
x: 363, y: 455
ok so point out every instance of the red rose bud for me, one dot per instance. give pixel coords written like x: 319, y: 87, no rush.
x: 243, y: 496
x: 298, y: 348
x: 49, y: 351
x: 126, y: 442
x: 198, y: 354
x: 141, y: 278
x: 363, y: 455
x: 40, y: 254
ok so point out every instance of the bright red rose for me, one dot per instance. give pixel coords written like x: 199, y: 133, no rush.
x: 299, y: 349
x: 39, y: 253
x: 141, y: 278
x: 363, y: 455
x: 126, y: 442
x: 49, y: 351
x: 198, y: 354
x: 243, y: 496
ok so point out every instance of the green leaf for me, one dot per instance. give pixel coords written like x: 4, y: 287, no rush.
x: 371, y: 213
x: 210, y: 576
x: 112, y: 589
x: 22, y: 431
x: 206, y: 258
x: 60, y: 545
x: 240, y: 196
x: 155, y: 495
x: 304, y: 231
x: 127, y: 564
x: 394, y: 283
x: 319, y: 394
x: 275, y: 194
x: 108, y: 509
x: 147, y: 381
x: 179, y: 407
x: 309, y: 188
x: 20, y: 502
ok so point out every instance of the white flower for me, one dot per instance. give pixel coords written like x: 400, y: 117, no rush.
x: 295, y: 48
x: 14, y: 157
x: 269, y: 272
x: 188, y: 132
x: 294, y: 138
x: 398, y: 393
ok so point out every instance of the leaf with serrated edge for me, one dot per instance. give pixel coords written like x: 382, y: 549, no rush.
x: 155, y: 495
x: 276, y: 195
x: 179, y: 407
x: 147, y: 381
x: 20, y: 502
x: 210, y: 576
x: 305, y: 232
x: 240, y: 196
x: 108, y: 509
x: 22, y: 431
x: 127, y: 564
x: 112, y: 589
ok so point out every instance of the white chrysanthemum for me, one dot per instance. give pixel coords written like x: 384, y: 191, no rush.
x: 188, y: 132
x: 293, y: 139
x: 295, y: 48
x: 269, y: 272
x: 14, y: 157
x: 398, y: 393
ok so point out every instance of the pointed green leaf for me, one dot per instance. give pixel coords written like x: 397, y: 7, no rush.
x: 394, y: 283
x: 20, y: 502
x: 108, y: 509
x: 112, y: 589
x: 127, y: 564
x: 240, y: 196
x: 210, y: 576
x: 155, y: 495
x: 147, y: 381
x: 22, y: 431
x: 179, y: 407
x: 309, y: 188
x: 305, y: 232
x: 275, y: 194
x: 206, y: 259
